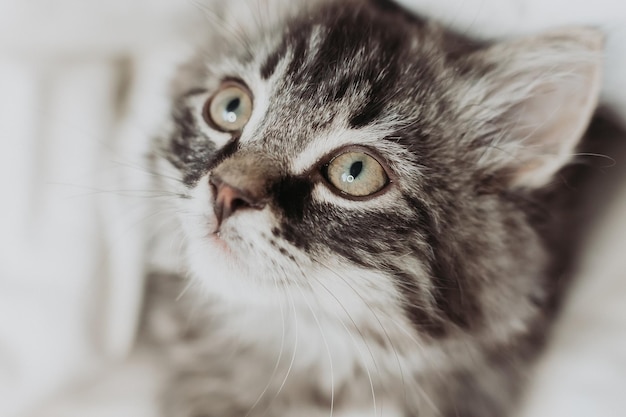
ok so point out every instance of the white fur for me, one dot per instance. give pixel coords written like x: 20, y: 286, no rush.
x: 340, y: 136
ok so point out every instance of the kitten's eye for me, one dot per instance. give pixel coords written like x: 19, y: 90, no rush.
x: 356, y: 174
x: 230, y: 108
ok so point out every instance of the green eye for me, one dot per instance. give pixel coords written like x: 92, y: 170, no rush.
x: 230, y: 108
x: 356, y: 174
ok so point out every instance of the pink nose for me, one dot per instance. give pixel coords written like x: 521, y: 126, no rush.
x: 229, y: 199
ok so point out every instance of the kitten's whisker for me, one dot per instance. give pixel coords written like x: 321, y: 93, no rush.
x: 349, y: 333
x: 186, y: 288
x: 138, y: 222
x: 402, y: 328
x: 293, y: 355
x: 415, y: 384
x: 612, y: 161
x: 356, y: 327
x: 280, y: 353
x: 325, y: 341
x: 194, y: 308
x: 93, y: 191
x: 393, y: 347
x: 144, y: 170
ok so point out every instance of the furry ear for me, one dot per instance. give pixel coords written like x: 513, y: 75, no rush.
x: 537, y: 96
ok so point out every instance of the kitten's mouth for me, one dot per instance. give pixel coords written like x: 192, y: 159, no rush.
x: 218, y: 240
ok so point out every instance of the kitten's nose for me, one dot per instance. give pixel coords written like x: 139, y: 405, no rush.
x: 229, y: 199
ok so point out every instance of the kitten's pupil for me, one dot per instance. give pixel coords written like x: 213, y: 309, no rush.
x: 353, y: 172
x: 233, y: 105
x: 356, y: 169
x: 230, y: 113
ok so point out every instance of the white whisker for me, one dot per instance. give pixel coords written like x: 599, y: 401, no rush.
x: 280, y: 353
x: 325, y: 341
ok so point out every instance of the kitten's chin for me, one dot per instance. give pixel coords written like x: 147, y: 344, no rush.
x: 220, y: 245
x: 223, y: 275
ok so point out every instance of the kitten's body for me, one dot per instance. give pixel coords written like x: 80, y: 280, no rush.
x: 427, y: 298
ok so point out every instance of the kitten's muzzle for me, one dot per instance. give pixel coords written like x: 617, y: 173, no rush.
x: 241, y: 182
x: 229, y: 199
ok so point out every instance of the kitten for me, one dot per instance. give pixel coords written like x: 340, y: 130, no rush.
x: 358, y: 193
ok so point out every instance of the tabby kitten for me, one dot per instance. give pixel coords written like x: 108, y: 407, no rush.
x: 355, y: 188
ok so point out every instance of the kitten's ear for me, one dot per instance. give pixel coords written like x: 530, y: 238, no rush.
x: 538, y: 96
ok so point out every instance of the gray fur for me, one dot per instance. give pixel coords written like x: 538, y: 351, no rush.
x: 425, y: 300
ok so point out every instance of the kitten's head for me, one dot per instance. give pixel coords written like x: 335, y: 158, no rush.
x: 352, y: 158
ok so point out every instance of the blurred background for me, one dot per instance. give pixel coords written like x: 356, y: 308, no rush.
x: 83, y: 89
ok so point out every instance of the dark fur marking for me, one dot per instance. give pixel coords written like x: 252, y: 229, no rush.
x: 424, y: 322
x: 349, y: 35
x: 295, y: 237
x: 374, y: 106
x: 185, y: 122
x: 269, y: 66
x: 299, y: 50
x: 189, y: 149
x: 454, y: 296
x: 292, y: 194
x: 226, y: 151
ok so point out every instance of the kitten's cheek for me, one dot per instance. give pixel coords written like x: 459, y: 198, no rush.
x: 198, y: 217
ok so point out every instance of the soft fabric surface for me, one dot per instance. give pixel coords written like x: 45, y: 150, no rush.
x: 73, y: 213
x: 72, y: 240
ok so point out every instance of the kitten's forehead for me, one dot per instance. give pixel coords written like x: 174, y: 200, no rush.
x: 342, y: 55
x: 332, y: 74
x: 337, y: 70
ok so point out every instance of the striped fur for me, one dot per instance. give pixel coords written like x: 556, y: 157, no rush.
x: 427, y: 299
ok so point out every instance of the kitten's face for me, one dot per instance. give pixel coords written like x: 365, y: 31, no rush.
x: 350, y: 159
